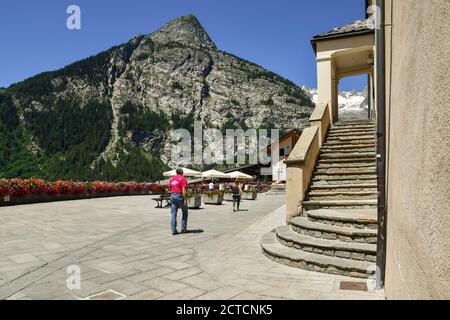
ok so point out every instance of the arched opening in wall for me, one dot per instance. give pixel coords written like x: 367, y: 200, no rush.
x: 353, y: 99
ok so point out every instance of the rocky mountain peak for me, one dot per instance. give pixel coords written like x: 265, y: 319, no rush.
x: 109, y: 116
x: 186, y: 29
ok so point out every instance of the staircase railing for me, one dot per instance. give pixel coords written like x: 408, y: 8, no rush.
x: 302, y: 160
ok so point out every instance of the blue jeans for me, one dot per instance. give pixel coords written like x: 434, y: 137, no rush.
x: 177, y: 201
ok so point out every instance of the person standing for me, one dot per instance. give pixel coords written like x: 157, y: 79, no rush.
x: 211, y: 186
x: 237, y: 193
x: 178, y: 199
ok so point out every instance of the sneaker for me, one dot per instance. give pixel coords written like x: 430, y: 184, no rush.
x: 184, y: 231
x: 175, y: 233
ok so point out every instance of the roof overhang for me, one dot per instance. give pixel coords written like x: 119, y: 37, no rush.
x: 339, y: 36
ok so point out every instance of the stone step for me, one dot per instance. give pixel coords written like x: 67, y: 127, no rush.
x: 273, y: 249
x: 332, y: 248
x: 355, y: 155
x: 357, y: 148
x: 344, y: 187
x: 352, y: 139
x: 346, y: 165
x: 345, y: 171
x: 356, y: 121
x: 345, y: 176
x: 354, y: 124
x: 352, y: 128
x: 359, y: 127
x: 341, y: 195
x: 339, y: 204
x: 364, y: 160
x: 329, y: 144
x: 349, y: 134
x: 326, y: 151
x: 339, y: 146
x: 355, y: 130
x: 332, y: 133
x: 343, y: 142
x: 335, y: 182
x: 352, y: 218
x: 304, y: 226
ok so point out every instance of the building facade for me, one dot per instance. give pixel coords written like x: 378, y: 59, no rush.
x: 404, y: 47
x: 285, y: 145
x: 417, y: 87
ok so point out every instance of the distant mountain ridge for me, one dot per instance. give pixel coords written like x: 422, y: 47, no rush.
x: 109, y: 116
x: 352, y: 104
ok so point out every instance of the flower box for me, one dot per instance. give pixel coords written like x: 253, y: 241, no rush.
x: 228, y: 196
x: 249, y: 195
x: 213, y: 198
x: 42, y: 198
x: 27, y: 191
x: 194, y: 202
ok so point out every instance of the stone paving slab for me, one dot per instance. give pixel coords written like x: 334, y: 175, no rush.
x: 124, y: 245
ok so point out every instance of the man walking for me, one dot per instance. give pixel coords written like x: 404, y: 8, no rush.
x: 237, y: 192
x: 178, y: 199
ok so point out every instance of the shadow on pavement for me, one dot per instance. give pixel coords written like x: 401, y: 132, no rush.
x: 195, y: 231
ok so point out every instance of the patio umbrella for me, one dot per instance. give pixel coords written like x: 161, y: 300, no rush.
x: 239, y: 175
x: 214, y: 174
x: 186, y: 172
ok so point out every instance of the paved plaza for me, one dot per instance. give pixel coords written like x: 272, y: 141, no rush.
x: 124, y: 249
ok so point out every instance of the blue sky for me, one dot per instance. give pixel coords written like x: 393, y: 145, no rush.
x: 273, y: 34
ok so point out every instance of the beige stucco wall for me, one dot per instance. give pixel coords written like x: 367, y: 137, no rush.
x: 418, y: 239
x: 300, y: 167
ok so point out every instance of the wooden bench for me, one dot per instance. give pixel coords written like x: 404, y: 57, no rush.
x: 159, y: 201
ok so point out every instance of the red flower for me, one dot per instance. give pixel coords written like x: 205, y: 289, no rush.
x: 19, y: 187
x: 5, y: 189
x: 79, y: 187
x: 36, y: 186
x: 52, y: 188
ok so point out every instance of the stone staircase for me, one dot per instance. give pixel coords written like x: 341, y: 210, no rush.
x: 277, y: 189
x: 337, y: 233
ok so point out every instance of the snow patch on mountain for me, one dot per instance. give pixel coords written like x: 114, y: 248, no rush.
x: 352, y: 104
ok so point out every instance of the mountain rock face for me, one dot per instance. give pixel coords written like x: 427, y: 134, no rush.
x: 353, y: 105
x: 185, y: 30
x: 109, y: 116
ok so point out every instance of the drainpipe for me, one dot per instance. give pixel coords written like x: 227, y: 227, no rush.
x: 369, y: 98
x: 381, y: 145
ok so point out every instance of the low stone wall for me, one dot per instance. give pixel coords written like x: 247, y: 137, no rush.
x: 30, y: 199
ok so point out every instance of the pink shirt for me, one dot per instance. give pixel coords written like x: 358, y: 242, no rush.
x: 177, y: 183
